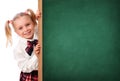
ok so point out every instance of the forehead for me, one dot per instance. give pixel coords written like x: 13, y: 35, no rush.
x: 21, y: 20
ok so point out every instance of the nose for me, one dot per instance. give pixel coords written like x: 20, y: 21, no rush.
x: 25, y: 28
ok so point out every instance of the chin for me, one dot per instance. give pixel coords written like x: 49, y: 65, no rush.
x: 30, y: 37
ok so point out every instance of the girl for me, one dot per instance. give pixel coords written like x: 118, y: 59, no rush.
x: 27, y: 49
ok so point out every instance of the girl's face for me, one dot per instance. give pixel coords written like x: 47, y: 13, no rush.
x: 24, y: 27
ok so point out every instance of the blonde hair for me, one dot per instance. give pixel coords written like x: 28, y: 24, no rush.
x: 8, y: 31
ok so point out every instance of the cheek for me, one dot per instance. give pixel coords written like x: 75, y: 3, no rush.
x: 18, y: 32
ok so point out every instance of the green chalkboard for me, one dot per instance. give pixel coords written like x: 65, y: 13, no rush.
x: 81, y: 40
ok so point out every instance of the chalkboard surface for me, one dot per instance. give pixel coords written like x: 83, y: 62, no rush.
x: 81, y: 40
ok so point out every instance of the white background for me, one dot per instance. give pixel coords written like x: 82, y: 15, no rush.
x: 9, y: 70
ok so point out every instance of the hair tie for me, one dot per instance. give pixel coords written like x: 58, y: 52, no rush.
x: 10, y: 21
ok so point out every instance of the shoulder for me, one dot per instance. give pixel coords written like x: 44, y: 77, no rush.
x: 21, y: 44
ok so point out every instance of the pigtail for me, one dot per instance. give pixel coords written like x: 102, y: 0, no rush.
x: 33, y: 15
x: 8, y: 33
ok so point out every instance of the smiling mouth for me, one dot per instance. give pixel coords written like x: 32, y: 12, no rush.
x: 27, y: 33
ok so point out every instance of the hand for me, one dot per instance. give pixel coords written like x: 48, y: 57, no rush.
x: 37, y: 49
x: 38, y: 14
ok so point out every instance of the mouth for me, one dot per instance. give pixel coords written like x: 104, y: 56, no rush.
x: 27, y: 33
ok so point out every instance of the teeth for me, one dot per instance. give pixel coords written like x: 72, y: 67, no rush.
x: 26, y: 32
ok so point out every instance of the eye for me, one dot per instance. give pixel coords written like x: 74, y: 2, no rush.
x: 20, y: 28
x: 27, y: 24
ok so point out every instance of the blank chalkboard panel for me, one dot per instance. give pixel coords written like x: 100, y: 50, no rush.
x: 81, y: 40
